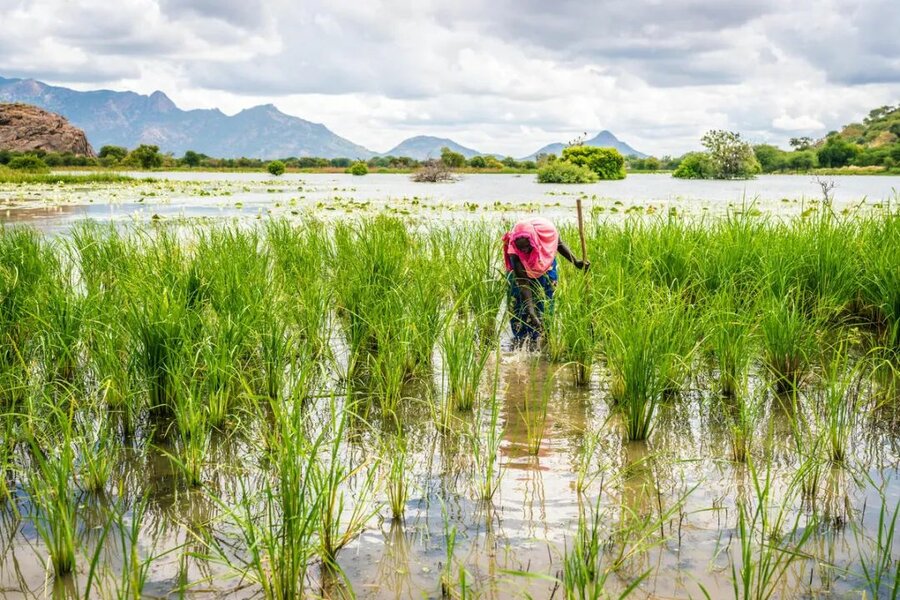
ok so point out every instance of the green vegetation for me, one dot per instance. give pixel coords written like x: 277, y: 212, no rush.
x: 582, y: 164
x: 10, y: 176
x: 727, y: 156
x: 453, y: 160
x: 272, y: 391
x: 28, y: 162
x: 560, y: 171
x: 145, y: 156
x: 607, y: 163
x: 276, y: 168
x: 358, y: 168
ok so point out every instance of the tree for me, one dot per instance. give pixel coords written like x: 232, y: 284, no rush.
x: 730, y: 156
x: 341, y: 163
x: 453, y: 160
x: 837, y: 152
x: 276, y: 168
x: 510, y: 162
x: 146, y: 156
x: 113, y: 153
x: 607, y: 163
x: 191, y: 159
x: 801, y: 143
x: 477, y: 162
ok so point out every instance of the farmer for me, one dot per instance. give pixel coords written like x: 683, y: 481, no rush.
x: 529, y: 251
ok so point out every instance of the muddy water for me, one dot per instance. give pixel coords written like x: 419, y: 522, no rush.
x: 667, y: 507
x: 248, y: 196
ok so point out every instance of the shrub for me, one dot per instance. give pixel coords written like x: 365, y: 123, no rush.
x: 146, y: 156
x: 695, y: 165
x: 477, y: 162
x: 28, y: 162
x: 358, y: 168
x: 607, y: 163
x: 562, y: 171
x: 276, y: 168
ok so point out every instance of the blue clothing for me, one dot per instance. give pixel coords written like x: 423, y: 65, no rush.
x: 542, y: 290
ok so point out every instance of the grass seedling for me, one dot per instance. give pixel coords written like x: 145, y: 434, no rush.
x: 743, y: 418
x: 397, y: 476
x: 880, y: 568
x: 486, y: 443
x: 535, y: 404
x: 52, y: 497
x: 840, y: 401
x: 770, y: 542
x: 342, y: 517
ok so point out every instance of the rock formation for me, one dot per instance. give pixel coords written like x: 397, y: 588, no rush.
x: 25, y: 128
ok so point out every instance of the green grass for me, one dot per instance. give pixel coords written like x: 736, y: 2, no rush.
x: 22, y: 177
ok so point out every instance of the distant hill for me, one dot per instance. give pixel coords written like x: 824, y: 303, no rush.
x: 129, y: 119
x: 604, y: 139
x: 880, y: 128
x: 422, y: 147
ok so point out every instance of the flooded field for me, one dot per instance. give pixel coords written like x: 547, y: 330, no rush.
x: 193, y: 196
x: 314, y: 406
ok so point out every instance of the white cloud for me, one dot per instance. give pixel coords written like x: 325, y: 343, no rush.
x: 506, y: 76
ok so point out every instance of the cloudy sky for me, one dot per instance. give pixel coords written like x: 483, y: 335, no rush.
x: 503, y: 76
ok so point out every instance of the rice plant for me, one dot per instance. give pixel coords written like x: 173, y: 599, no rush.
x: 642, y: 346
x: 771, y: 538
x: 571, y: 329
x: 487, y: 437
x: 342, y: 514
x: 879, y: 566
x: 839, y: 403
x: 729, y: 332
x: 397, y: 460
x: 788, y: 336
x: 49, y: 486
x: 463, y: 361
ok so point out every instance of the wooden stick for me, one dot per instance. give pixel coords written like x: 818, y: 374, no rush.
x: 581, y: 230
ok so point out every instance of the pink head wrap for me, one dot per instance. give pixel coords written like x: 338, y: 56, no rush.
x: 544, y: 240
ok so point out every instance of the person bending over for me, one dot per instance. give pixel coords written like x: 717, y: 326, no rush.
x: 529, y: 253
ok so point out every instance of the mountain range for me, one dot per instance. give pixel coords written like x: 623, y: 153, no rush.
x: 129, y: 119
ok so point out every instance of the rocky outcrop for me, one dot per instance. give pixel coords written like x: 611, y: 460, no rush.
x: 25, y: 128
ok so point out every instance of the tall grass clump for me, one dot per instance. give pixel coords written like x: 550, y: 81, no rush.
x: 49, y: 485
x: 729, y: 329
x: 839, y: 403
x: 572, y: 332
x: 26, y: 265
x: 789, y: 340
x: 463, y: 360
x: 343, y: 514
x: 644, y: 353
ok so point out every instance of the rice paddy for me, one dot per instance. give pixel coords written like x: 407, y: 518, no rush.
x: 320, y: 408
